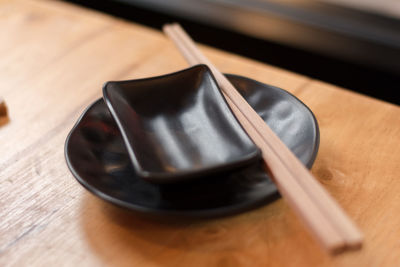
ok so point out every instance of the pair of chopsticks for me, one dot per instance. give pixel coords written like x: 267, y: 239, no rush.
x: 318, y: 210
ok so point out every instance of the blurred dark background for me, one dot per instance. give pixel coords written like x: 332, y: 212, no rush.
x: 353, y: 44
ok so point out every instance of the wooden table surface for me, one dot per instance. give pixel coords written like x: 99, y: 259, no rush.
x: 54, y: 58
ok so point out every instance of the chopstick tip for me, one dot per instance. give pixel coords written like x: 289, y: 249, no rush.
x: 170, y: 25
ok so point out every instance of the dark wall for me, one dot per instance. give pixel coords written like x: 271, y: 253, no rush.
x: 363, y: 79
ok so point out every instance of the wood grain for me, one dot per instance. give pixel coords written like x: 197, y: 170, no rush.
x: 54, y: 59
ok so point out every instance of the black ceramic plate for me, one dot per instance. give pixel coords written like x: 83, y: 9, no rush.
x: 96, y: 155
x: 178, y: 126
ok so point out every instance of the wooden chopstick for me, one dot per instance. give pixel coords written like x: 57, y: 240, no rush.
x: 329, y: 207
x: 307, y: 197
x: 314, y: 219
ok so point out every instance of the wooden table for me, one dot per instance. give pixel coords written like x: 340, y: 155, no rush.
x: 54, y: 58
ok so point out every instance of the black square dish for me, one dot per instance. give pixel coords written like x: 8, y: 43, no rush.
x: 178, y: 126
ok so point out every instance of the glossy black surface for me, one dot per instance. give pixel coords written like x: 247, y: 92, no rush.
x: 96, y: 155
x: 178, y: 126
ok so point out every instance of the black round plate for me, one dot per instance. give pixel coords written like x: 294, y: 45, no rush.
x: 97, y: 157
